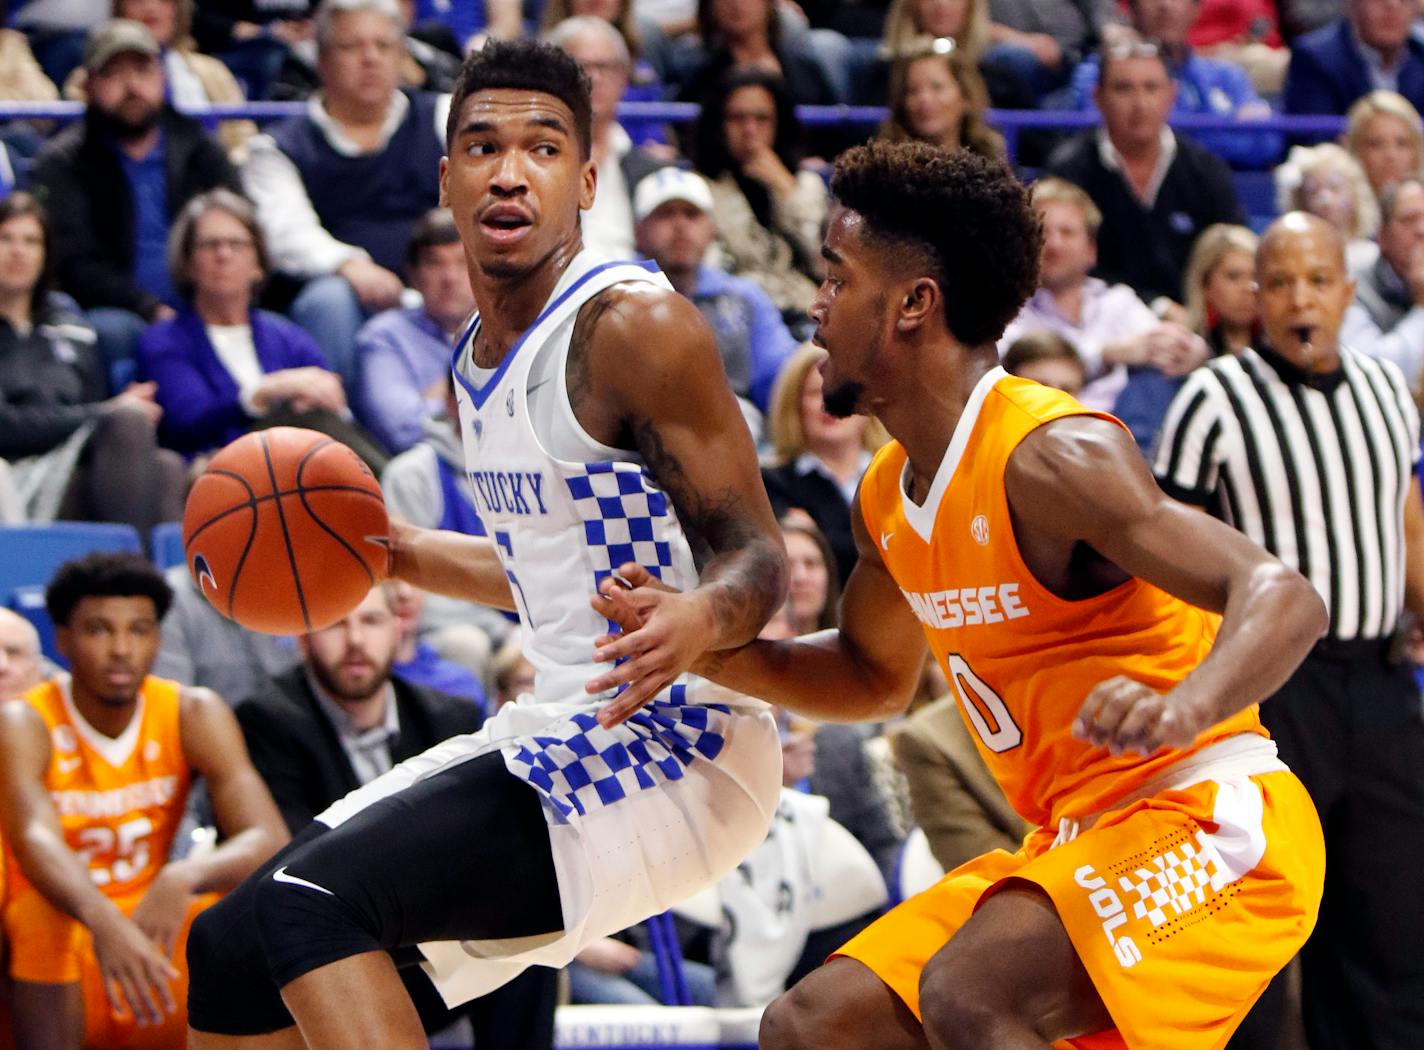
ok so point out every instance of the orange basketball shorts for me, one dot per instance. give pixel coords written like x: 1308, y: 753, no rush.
x: 48, y: 947
x: 1182, y: 907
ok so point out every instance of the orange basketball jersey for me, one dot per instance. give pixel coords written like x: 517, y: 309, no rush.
x: 1020, y: 659
x: 120, y: 800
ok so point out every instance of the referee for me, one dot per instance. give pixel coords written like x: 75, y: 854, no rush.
x: 1309, y: 448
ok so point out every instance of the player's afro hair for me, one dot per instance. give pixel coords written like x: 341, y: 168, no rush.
x: 105, y: 574
x: 525, y: 65
x: 968, y: 218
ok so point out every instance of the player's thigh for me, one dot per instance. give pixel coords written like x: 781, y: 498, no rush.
x: 842, y: 1005
x: 1013, y: 958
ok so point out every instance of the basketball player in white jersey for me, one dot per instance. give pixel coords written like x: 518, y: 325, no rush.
x: 599, y: 429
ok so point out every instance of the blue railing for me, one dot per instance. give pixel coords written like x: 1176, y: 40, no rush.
x: 1010, y: 122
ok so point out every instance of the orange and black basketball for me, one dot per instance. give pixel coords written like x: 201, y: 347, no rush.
x: 285, y: 532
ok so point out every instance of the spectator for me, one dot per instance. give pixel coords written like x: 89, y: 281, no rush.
x: 613, y: 971
x: 404, y: 354
x: 769, y: 214
x: 340, y: 187
x: 1110, y: 327
x: 813, y: 590
x: 938, y: 96
x: 1205, y: 86
x: 113, y: 183
x: 14, y: 173
x: 817, y: 458
x: 1221, y: 308
x: 1042, y: 41
x: 1309, y: 448
x: 194, y: 79
x: 99, y: 895
x: 513, y: 675
x: 676, y: 227
x: 1384, y: 134
x: 74, y: 453
x: 57, y: 31
x: 202, y: 647
x: 427, y: 486
x: 1156, y: 191
x: 1243, y: 32
x: 1386, y: 319
x: 953, y: 797
x: 1046, y: 357
x: 12, y: 511
x: 741, y: 35
x: 221, y: 366
x: 418, y: 662
x: 21, y: 78
x: 599, y: 50
x: 21, y: 665
x: 342, y: 719
x: 643, y: 84
x: 253, y: 38
x: 913, y: 27
x: 1374, y: 45
x: 1326, y: 181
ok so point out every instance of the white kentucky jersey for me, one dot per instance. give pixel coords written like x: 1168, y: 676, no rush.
x: 561, y: 523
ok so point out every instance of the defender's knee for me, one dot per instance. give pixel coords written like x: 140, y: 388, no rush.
x: 792, y: 1022
x: 955, y: 1011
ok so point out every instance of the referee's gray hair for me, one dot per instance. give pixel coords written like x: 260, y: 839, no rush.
x: 329, y: 9
x: 569, y: 28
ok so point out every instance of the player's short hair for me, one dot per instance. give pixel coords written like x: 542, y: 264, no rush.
x: 105, y: 574
x: 1053, y: 190
x: 968, y: 219
x: 1040, y: 345
x: 525, y: 65
x: 434, y: 228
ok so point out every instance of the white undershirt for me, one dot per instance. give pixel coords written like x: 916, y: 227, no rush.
x: 238, y: 353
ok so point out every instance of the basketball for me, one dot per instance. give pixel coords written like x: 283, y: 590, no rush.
x: 285, y: 532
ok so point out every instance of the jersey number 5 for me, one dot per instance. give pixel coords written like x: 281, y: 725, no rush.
x: 127, y: 844
x: 987, y: 712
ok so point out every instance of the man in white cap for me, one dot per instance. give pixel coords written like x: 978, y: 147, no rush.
x: 673, y: 209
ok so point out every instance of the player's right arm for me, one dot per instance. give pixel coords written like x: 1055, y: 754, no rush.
x: 450, y: 563
x: 136, y: 974
x: 866, y: 670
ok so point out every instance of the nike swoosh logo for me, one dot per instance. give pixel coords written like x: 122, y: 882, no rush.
x: 280, y: 875
x: 69, y: 765
x: 885, y: 538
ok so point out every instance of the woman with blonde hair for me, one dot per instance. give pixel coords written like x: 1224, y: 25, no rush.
x: 1220, y: 293
x: 194, y: 79
x: 1384, y: 134
x: 938, y: 96
x: 817, y: 459
x: 1328, y: 182
x: 917, y: 27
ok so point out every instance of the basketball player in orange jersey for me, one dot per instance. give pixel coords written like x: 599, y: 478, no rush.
x: 1107, y: 646
x: 95, y: 767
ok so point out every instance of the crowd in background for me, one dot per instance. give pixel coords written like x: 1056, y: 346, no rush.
x: 167, y: 285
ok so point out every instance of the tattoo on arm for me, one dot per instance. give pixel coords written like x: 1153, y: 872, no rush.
x: 741, y: 568
x: 577, y: 369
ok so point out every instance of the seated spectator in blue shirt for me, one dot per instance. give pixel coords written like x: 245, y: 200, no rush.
x: 1205, y: 86
x: 675, y: 229
x: 223, y: 367
x: 1375, y: 45
x: 403, y: 355
x: 13, y: 175
x: 418, y: 661
x: 112, y: 183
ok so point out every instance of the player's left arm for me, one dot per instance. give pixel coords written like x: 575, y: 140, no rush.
x: 654, y: 355
x: 1083, y: 479
x: 250, y: 823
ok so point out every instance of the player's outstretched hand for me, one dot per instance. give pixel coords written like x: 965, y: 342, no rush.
x: 664, y: 632
x: 1123, y: 715
x: 136, y: 974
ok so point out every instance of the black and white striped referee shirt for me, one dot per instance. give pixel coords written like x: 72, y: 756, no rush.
x: 1313, y: 468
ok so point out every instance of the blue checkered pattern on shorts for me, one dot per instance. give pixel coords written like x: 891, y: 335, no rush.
x: 579, y: 766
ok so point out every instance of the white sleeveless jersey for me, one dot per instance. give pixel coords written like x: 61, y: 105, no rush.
x: 561, y: 526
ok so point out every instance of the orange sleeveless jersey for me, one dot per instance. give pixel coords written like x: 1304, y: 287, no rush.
x: 119, y: 800
x: 1022, y: 660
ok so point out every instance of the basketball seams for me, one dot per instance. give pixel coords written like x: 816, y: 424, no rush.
x: 258, y: 500
x: 286, y: 533
x: 251, y: 504
x: 302, y: 490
